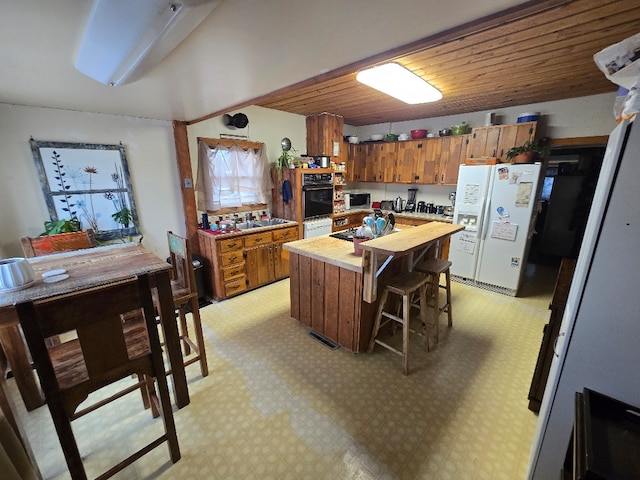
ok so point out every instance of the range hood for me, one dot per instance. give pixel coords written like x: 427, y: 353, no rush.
x: 124, y: 39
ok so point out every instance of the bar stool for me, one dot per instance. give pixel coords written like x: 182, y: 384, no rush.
x: 404, y: 285
x: 434, y: 267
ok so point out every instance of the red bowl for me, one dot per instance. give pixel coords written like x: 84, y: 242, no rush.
x: 419, y: 133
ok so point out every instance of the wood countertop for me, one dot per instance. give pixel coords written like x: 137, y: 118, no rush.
x: 341, y: 253
x: 327, y: 249
x: 411, y: 239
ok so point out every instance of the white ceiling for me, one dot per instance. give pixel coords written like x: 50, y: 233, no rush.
x: 244, y: 49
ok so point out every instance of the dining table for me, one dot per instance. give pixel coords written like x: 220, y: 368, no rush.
x: 69, y: 272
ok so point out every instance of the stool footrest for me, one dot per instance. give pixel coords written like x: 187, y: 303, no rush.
x: 389, y: 347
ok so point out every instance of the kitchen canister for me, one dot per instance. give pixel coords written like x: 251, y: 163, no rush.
x: 15, y: 273
x: 528, y: 117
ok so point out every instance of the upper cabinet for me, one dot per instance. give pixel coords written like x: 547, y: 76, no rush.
x: 324, y: 135
x: 432, y: 161
x: 455, y: 150
x: 495, y: 141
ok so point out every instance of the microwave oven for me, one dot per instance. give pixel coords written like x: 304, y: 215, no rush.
x: 357, y: 200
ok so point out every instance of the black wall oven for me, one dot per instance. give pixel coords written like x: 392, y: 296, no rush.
x: 317, y: 195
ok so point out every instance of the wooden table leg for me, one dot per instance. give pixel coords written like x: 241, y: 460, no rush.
x: 16, y: 353
x: 172, y: 338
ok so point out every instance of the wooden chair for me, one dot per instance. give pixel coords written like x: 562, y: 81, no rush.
x: 403, y: 285
x: 185, y: 299
x: 104, y: 349
x: 61, y: 242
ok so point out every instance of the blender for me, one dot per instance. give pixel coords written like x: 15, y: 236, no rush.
x: 410, y: 206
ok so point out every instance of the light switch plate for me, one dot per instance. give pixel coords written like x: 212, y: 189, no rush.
x: 188, y: 183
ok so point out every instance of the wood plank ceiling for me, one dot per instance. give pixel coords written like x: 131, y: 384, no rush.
x: 542, y: 51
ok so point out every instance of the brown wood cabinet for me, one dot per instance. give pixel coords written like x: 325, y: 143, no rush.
x: 432, y: 161
x: 324, y: 135
x: 454, y: 152
x: 328, y: 299
x: 357, y: 163
x: 245, y: 260
x: 496, y: 140
x: 429, y: 161
x: 347, y: 220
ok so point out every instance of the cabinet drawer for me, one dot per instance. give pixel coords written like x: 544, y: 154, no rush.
x: 230, y: 258
x: 235, y: 271
x: 230, y: 244
x: 285, y: 234
x: 235, y: 287
x: 257, y: 239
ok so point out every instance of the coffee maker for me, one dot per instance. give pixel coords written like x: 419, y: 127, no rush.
x: 410, y: 206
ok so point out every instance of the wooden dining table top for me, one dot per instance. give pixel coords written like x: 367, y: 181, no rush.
x: 86, y: 268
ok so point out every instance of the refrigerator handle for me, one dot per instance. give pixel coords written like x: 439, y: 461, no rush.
x: 486, y: 205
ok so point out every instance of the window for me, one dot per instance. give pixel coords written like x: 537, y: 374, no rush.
x: 231, y: 176
x: 89, y: 182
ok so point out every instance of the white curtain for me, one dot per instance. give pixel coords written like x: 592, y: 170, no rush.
x: 231, y: 177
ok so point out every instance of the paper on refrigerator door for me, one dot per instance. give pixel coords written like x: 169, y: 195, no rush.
x: 504, y: 230
x: 466, y: 243
x: 471, y: 194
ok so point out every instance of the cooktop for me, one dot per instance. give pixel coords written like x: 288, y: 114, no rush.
x: 345, y: 234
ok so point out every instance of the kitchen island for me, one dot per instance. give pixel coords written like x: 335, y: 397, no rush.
x: 333, y: 291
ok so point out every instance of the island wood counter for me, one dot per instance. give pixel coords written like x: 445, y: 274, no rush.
x: 329, y: 282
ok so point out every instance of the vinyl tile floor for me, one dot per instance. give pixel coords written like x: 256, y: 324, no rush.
x: 278, y: 404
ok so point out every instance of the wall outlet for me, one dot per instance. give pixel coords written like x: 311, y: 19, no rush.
x: 188, y: 183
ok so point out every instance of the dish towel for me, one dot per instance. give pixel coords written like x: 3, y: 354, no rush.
x: 287, y: 194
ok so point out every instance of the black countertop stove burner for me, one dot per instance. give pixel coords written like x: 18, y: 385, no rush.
x: 345, y: 234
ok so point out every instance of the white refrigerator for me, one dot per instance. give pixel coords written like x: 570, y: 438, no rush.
x: 497, y: 205
x: 598, y: 345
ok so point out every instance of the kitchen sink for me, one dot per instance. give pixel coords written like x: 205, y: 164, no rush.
x: 260, y: 223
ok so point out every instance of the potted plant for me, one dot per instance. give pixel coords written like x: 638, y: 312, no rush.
x: 54, y: 227
x: 527, y: 152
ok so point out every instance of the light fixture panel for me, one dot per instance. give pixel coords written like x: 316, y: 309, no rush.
x: 123, y: 39
x: 398, y: 82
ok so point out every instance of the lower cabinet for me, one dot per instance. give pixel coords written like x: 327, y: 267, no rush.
x: 244, y: 261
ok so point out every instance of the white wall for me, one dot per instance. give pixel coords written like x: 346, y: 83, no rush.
x: 150, y: 154
x: 578, y: 117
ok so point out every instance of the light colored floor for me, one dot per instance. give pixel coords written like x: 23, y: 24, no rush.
x: 278, y: 404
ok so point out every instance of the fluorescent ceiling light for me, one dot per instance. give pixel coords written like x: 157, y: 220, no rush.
x: 396, y: 81
x: 124, y: 39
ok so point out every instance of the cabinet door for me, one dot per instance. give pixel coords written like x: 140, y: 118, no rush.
x: 429, y: 159
x: 324, y: 130
x: 280, y: 261
x: 356, y: 167
x: 454, y: 153
x: 386, y: 160
x: 259, y: 265
x: 484, y: 141
x: 407, y: 164
x: 373, y: 159
x: 514, y: 135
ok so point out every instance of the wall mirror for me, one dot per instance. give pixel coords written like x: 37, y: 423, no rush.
x: 90, y: 182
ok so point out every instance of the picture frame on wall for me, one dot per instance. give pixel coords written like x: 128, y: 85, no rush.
x: 89, y: 182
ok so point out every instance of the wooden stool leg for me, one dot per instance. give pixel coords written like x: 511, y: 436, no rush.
x: 376, y: 324
x: 197, y: 326
x: 405, y: 333
x: 435, y: 291
x: 184, y: 330
x: 423, y: 315
x: 449, y: 314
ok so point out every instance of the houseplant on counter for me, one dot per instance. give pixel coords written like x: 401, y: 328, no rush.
x: 527, y: 152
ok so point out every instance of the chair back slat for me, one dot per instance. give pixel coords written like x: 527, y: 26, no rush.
x: 61, y: 242
x: 181, y: 264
